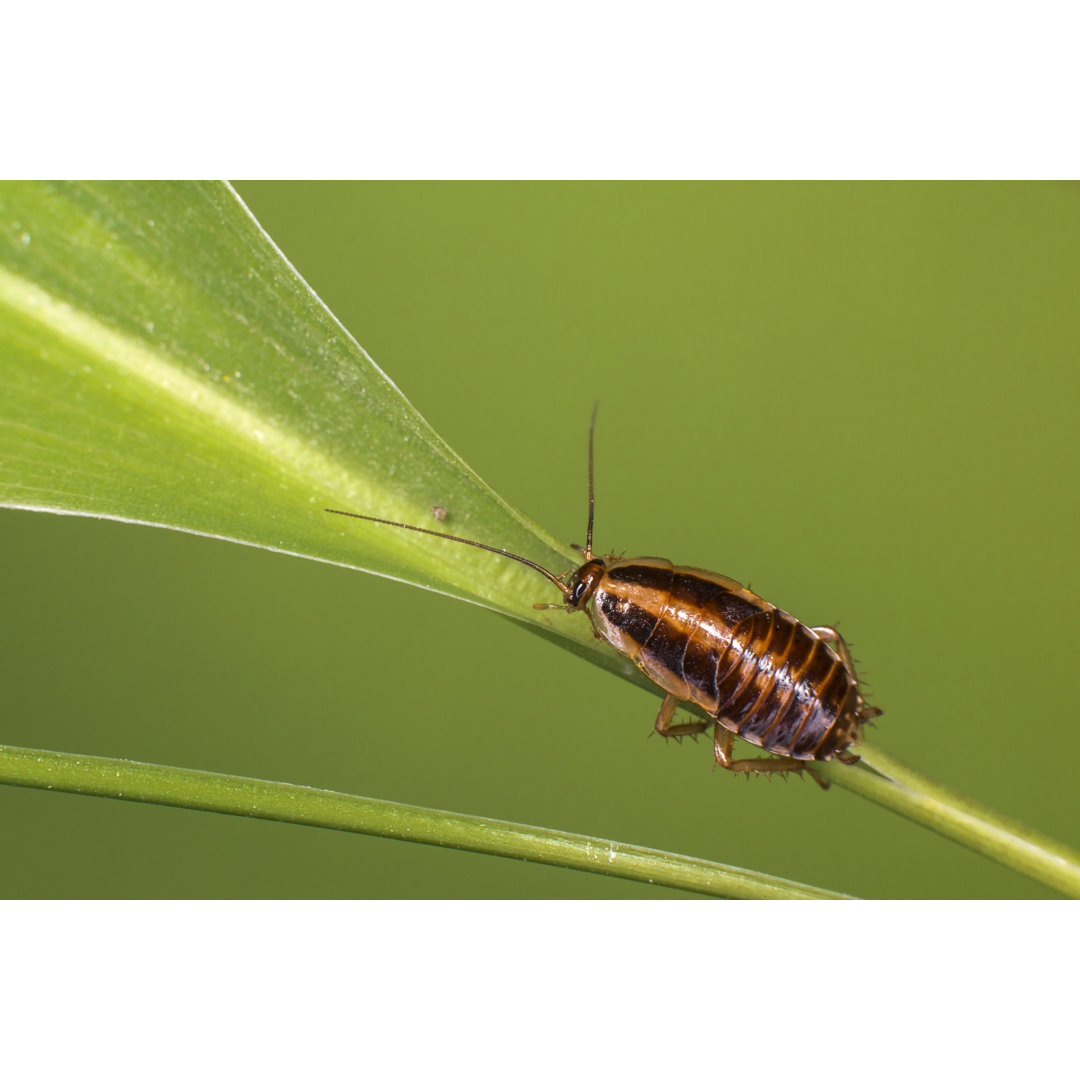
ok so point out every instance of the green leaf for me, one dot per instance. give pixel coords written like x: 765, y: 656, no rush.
x: 164, y: 364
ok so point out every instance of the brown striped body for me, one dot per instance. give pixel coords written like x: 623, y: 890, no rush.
x: 705, y: 639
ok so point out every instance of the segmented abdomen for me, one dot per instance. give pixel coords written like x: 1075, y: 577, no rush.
x: 706, y: 639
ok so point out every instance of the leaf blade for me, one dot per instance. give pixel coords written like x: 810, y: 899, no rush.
x: 165, y: 364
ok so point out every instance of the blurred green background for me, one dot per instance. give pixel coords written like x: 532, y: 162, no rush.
x: 861, y: 399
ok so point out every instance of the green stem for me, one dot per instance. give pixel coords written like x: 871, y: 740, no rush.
x: 116, y: 778
x: 915, y: 796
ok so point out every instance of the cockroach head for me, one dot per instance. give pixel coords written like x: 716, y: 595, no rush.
x: 580, y: 587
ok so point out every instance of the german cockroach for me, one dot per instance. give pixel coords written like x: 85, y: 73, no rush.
x: 755, y: 670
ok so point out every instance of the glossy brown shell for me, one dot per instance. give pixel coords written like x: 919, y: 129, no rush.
x: 705, y: 639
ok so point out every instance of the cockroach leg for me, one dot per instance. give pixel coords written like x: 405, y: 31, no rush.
x: 724, y: 740
x: 665, y: 727
x: 831, y: 635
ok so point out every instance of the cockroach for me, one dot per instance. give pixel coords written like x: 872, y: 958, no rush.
x: 756, y: 671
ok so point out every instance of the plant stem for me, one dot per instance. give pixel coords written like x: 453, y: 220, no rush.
x: 168, y: 786
x: 909, y: 793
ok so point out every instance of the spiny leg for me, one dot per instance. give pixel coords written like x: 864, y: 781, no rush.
x: 723, y: 741
x: 665, y: 727
x: 832, y: 636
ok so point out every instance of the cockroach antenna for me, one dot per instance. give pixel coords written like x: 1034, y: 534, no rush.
x: 460, y: 540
